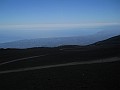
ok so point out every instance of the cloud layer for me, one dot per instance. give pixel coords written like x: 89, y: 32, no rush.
x: 55, y: 26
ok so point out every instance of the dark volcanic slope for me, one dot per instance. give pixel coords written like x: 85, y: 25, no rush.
x: 104, y: 76
x: 111, y: 41
x: 58, y: 55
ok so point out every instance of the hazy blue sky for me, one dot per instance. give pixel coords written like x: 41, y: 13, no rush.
x: 57, y: 14
x: 59, y: 11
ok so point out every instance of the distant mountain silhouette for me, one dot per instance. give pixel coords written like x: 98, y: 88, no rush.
x: 53, y: 42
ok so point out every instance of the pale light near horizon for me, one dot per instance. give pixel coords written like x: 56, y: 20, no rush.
x: 55, y: 26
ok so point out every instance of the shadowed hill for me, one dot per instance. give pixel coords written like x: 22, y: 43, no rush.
x: 111, y: 41
x: 66, y: 53
x: 99, y: 76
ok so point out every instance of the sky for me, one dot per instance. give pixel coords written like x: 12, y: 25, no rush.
x: 47, y: 15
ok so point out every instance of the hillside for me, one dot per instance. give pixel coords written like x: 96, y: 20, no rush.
x: 111, y: 41
x: 94, y: 76
x: 62, y: 54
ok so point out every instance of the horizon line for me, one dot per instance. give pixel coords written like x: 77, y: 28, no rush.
x: 56, y: 26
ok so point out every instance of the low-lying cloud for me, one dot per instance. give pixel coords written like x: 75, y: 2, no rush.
x: 55, y: 26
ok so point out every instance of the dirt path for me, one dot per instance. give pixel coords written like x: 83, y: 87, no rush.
x: 60, y: 65
x: 22, y: 59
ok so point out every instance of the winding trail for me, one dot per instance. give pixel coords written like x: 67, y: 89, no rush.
x: 22, y: 59
x: 61, y: 65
